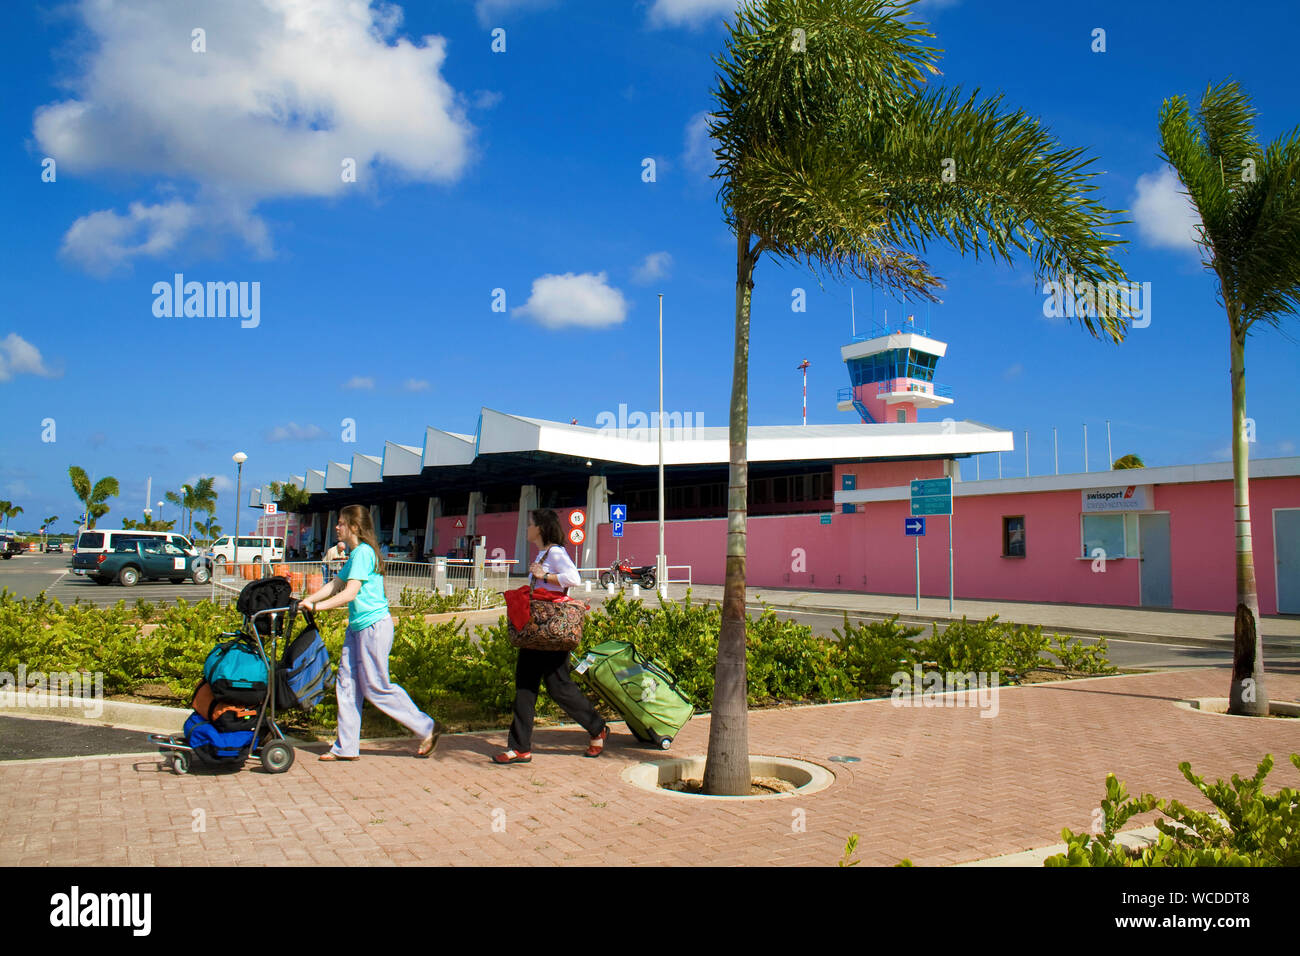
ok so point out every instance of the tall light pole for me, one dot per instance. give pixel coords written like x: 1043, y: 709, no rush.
x: 1110, y: 456
x: 239, y: 458
x: 1085, y: 446
x: 661, y: 564
x: 804, y: 366
x: 160, y: 517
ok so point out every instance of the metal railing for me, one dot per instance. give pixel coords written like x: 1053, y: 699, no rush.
x: 440, y: 576
x: 591, y: 577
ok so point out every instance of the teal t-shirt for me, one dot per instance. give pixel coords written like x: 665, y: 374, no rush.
x: 371, y: 604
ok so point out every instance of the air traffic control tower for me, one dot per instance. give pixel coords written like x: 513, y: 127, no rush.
x: 892, y: 373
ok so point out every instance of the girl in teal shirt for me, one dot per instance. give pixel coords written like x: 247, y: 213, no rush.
x: 363, y: 666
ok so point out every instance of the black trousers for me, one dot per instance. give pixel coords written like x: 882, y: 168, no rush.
x: 552, y: 666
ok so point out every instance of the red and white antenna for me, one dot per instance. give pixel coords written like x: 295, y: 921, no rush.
x: 804, y: 367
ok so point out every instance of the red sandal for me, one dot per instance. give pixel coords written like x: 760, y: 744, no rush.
x: 592, y: 749
x: 511, y: 757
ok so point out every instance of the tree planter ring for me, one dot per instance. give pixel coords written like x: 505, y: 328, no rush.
x: 1218, y: 707
x: 808, y: 778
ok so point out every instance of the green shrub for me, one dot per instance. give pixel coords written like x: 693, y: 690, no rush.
x: 967, y: 646
x: 871, y: 653
x: 1082, y: 658
x: 1252, y: 828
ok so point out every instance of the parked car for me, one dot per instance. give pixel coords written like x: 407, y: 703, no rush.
x: 252, y: 550
x: 54, y: 547
x: 11, y: 547
x: 106, y: 541
x: 150, y: 560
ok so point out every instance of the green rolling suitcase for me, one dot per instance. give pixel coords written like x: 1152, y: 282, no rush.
x: 641, y: 690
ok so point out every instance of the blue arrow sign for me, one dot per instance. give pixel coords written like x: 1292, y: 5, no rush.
x: 617, y: 513
x: 618, y: 528
x: 915, y: 527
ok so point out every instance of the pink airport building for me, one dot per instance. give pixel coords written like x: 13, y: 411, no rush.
x: 828, y: 504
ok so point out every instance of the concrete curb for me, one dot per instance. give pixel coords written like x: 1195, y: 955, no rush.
x: 151, y: 718
x: 1138, y: 839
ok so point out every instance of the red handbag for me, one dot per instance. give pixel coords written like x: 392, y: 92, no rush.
x: 553, y: 622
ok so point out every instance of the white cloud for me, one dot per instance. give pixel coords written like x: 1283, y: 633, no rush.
x: 20, y: 357
x: 486, y: 99
x: 359, y: 381
x: 1286, y: 447
x: 286, y: 90
x: 105, y: 241
x: 1163, y: 212
x: 489, y: 10
x: 295, y: 432
x: 1013, y: 371
x: 690, y: 13
x: 698, y: 154
x: 694, y: 13
x: 585, y: 301
x: 655, y: 266
x: 415, y: 385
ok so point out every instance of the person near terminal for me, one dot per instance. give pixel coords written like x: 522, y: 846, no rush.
x: 363, y: 664
x: 551, y: 570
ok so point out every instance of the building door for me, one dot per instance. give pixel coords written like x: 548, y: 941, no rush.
x: 1286, y: 559
x: 1157, y: 582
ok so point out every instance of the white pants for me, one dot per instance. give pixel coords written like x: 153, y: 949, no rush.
x: 362, y: 676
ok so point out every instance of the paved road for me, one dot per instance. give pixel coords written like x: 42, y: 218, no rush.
x: 27, y: 738
x: 29, y: 574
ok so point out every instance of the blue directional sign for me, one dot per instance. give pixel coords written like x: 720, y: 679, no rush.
x: 618, y: 513
x: 826, y: 519
x: 932, y: 496
x: 915, y: 527
x: 618, y: 528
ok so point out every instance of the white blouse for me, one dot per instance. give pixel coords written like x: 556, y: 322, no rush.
x: 555, y: 560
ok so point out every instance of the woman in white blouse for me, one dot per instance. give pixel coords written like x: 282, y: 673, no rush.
x: 553, y: 570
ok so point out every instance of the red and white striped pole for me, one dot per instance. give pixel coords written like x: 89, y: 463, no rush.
x: 804, y: 367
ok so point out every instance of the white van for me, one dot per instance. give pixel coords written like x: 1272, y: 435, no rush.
x: 107, y: 541
x: 252, y: 550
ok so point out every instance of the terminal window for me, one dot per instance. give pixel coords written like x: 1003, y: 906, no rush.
x: 1013, y: 536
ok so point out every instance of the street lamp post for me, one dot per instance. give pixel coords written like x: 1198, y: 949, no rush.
x: 661, y: 565
x: 239, y: 458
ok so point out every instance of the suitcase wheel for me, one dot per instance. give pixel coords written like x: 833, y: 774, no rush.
x: 663, y: 743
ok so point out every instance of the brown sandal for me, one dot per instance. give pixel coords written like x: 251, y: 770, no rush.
x: 329, y: 756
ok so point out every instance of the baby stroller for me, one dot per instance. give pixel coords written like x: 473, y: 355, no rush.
x: 236, y: 702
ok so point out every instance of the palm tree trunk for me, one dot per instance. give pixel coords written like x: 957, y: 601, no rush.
x: 1247, y: 695
x: 726, y: 770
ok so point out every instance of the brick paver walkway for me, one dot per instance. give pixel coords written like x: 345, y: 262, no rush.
x: 939, y: 785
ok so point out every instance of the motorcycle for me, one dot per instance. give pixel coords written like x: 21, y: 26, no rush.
x: 623, y: 570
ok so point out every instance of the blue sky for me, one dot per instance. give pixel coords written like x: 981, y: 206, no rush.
x: 523, y: 170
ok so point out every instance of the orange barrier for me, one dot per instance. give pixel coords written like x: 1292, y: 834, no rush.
x: 251, y: 572
x: 315, y: 582
x: 296, y: 581
x: 280, y: 570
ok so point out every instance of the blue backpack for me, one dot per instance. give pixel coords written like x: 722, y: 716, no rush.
x: 236, y: 671
x: 304, y: 672
x: 214, y: 748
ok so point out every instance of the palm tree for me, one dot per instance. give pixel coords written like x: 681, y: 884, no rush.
x: 1128, y: 461
x: 1248, y: 200
x: 9, y: 510
x: 210, y: 530
x: 832, y: 155
x: 200, y: 496
x: 93, y: 498
x: 147, y: 523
